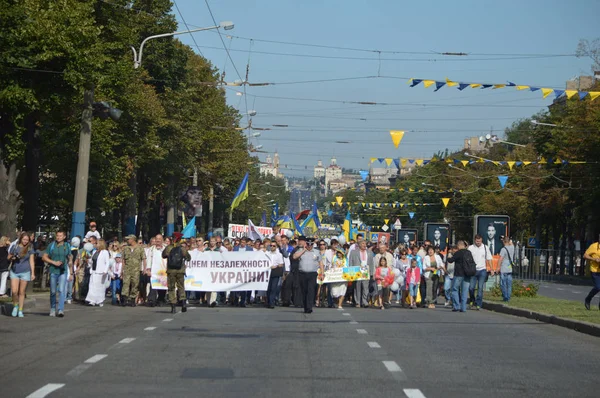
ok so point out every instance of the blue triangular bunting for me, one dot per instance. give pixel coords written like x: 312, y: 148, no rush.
x: 462, y: 86
x: 415, y: 82
x: 558, y: 93
x: 486, y: 86
x: 534, y: 88
x: 502, y: 180
x: 582, y: 94
x: 411, y: 214
x: 381, y: 160
x: 397, y: 163
x: 364, y: 174
x: 439, y: 85
x: 511, y: 84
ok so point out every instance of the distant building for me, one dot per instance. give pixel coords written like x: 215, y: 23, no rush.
x: 332, y: 172
x: 475, y: 144
x: 319, y: 170
x: 379, y: 177
x: 300, y: 199
x: 271, y: 166
x: 581, y: 83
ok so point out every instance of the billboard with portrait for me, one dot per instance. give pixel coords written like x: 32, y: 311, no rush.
x: 405, y: 236
x: 491, y: 228
x: 438, y: 234
x: 193, y: 202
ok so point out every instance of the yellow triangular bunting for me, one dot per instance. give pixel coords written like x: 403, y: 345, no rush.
x: 388, y: 161
x: 396, y: 137
x: 445, y: 201
x: 570, y: 93
x: 594, y: 95
x: 428, y: 83
x: 522, y: 87
x: 464, y: 163
x: 338, y: 199
x: 547, y: 91
x: 511, y: 164
x: 450, y: 83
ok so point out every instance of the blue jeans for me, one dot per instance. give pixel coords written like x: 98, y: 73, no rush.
x: 462, y: 283
x: 69, y: 288
x: 412, y: 288
x: 479, y: 281
x: 272, y: 290
x: 596, y: 288
x: 58, y: 281
x: 448, y: 287
x: 115, y: 286
x: 506, y: 285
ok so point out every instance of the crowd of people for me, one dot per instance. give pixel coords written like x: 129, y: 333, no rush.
x: 89, y: 269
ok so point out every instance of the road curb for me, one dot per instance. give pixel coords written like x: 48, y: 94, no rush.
x: 6, y: 308
x: 579, y: 326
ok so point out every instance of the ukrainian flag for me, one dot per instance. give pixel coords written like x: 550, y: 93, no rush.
x: 316, y: 215
x: 241, y: 194
x: 347, y: 228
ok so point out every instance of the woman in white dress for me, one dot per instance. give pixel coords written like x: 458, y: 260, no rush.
x: 338, y: 289
x: 99, y: 275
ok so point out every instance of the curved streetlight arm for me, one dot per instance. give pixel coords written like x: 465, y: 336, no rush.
x: 137, y: 58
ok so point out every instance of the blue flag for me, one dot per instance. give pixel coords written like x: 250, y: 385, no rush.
x: 502, y: 180
x: 411, y: 214
x: 190, y: 229
x: 364, y: 174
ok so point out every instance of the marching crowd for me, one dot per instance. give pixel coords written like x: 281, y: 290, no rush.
x: 89, y: 269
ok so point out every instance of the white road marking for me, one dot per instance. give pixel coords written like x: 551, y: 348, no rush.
x: 361, y: 331
x: 79, y: 369
x: 353, y: 323
x: 345, y: 314
x: 150, y: 328
x: 191, y: 308
x: 167, y: 320
x: 127, y: 340
x: 413, y: 393
x: 96, y: 358
x: 392, y: 366
x: 559, y: 288
x: 373, y: 344
x: 47, y: 389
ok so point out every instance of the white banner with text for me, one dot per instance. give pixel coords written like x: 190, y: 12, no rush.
x: 219, y: 272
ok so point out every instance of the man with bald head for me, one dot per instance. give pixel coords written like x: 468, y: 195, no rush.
x: 154, y: 259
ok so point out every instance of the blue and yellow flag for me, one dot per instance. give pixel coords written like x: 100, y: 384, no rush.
x: 275, y: 215
x: 316, y: 215
x: 241, y: 194
x: 189, y: 231
x: 347, y: 228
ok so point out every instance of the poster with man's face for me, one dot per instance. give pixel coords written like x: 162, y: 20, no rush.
x: 193, y: 202
x: 438, y: 234
x: 406, y: 236
x: 491, y: 228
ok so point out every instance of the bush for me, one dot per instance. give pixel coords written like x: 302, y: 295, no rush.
x: 519, y: 289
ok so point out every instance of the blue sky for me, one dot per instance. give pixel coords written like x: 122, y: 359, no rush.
x: 438, y: 120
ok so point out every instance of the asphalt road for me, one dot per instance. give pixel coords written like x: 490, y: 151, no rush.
x: 567, y: 292
x: 256, y: 352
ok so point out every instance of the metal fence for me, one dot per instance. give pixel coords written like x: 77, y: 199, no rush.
x: 548, y: 264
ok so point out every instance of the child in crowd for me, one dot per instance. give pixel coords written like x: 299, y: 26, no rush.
x: 413, y: 279
x: 381, y: 274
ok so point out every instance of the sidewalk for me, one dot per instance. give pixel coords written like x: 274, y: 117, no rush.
x: 31, y: 301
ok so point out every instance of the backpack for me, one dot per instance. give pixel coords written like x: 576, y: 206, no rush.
x: 470, y: 266
x: 175, y: 258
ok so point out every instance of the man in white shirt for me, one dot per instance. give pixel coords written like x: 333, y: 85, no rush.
x: 483, y: 260
x: 154, y: 260
x: 277, y: 266
x: 92, y: 232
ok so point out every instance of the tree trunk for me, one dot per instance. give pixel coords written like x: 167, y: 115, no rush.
x: 142, y: 211
x: 130, y: 205
x: 10, y: 199
x: 31, y: 192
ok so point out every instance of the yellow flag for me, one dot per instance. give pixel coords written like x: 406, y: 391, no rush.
x: 594, y: 95
x: 480, y: 161
x: 388, y: 161
x: 411, y: 190
x: 496, y: 163
x: 371, y: 205
x: 543, y: 161
x: 428, y: 83
x: 511, y: 164
x: 475, y: 85
x: 387, y: 220
x: 401, y: 204
x: 499, y: 85
x: 403, y: 163
x: 445, y: 201
x: 570, y: 93
x: 410, y: 80
x: 557, y: 161
x: 333, y: 203
x: 419, y: 162
x: 522, y: 87
x: 339, y: 200
x: 363, y: 204
x: 464, y: 163
x: 450, y: 83
x: 526, y: 163
x: 396, y: 137
x: 394, y: 205
x: 547, y: 91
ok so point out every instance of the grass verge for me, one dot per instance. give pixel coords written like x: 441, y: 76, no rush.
x: 561, y: 308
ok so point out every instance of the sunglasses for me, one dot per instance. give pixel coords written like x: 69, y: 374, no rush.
x: 273, y: 245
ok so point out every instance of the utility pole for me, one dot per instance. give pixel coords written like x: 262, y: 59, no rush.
x: 211, y: 199
x: 83, y: 165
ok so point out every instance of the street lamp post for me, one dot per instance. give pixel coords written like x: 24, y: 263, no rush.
x: 137, y: 55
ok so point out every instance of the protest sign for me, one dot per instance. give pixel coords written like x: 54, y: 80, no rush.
x: 219, y: 272
x: 345, y: 274
x: 241, y: 230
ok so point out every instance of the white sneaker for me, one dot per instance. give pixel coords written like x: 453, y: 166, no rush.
x: 69, y: 301
x: 447, y: 304
x: 101, y: 305
x: 52, y: 312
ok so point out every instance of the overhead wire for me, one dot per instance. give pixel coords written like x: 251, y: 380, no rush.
x: 187, y: 27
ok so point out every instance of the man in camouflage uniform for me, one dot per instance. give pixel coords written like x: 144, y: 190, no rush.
x: 134, y: 260
x: 176, y: 277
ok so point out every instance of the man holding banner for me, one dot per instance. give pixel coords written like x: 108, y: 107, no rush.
x: 276, y: 273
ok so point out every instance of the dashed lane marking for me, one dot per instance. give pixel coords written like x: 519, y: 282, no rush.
x: 44, y: 391
x: 413, y: 393
x: 345, y: 314
x: 150, y: 328
x: 127, y: 340
x: 353, y: 323
x: 373, y: 344
x: 361, y: 331
x: 392, y: 366
x: 167, y: 320
x: 96, y: 358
